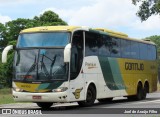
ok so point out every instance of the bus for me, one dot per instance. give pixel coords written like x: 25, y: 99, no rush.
x: 60, y: 64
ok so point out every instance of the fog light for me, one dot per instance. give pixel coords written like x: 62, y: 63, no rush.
x: 60, y: 89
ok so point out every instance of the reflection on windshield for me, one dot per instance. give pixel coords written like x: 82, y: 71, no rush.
x: 40, y: 64
x: 43, y: 39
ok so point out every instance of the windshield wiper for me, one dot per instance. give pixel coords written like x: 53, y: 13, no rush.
x: 32, y: 67
x: 43, y: 66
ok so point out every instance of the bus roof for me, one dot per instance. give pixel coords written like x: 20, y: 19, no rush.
x: 122, y: 35
x: 50, y: 28
x: 73, y: 28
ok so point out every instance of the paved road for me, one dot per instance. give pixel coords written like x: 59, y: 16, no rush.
x: 151, y: 105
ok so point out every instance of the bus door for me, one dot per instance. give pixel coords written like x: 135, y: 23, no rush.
x: 77, y: 89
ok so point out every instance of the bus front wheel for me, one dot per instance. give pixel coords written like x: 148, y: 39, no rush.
x: 90, y: 97
x: 44, y: 105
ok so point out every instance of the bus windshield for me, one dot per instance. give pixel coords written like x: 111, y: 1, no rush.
x: 40, y: 56
x: 47, y: 39
x: 40, y: 65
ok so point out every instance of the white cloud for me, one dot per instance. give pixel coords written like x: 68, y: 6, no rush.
x: 106, y: 13
x: 4, y: 19
x: 151, y: 24
x: 112, y: 14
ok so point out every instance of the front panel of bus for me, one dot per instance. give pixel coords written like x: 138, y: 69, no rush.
x: 39, y: 68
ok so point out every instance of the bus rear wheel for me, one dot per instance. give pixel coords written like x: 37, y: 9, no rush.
x: 139, y: 95
x: 44, y: 105
x: 145, y: 91
x: 140, y: 92
x: 90, y: 98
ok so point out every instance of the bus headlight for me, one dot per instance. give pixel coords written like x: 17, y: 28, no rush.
x: 17, y: 89
x: 60, y: 89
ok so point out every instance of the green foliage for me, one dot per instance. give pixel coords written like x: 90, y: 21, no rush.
x: 9, y: 35
x: 15, y: 26
x: 49, y: 18
x: 156, y: 40
x: 2, y: 35
x: 147, y: 8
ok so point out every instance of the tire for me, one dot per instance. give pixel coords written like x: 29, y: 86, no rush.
x: 90, y: 97
x: 105, y: 100
x: 145, y: 91
x: 140, y: 92
x: 45, y: 105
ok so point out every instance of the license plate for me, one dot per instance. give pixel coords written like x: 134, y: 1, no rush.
x: 36, y: 97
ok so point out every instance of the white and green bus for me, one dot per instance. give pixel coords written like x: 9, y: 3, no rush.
x: 58, y: 64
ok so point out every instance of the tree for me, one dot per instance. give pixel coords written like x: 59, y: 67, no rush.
x: 2, y: 35
x: 9, y: 34
x: 156, y: 40
x: 15, y: 26
x: 147, y: 8
x: 49, y: 18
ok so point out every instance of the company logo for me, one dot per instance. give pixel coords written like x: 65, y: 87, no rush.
x: 77, y: 93
x: 90, y: 65
x: 134, y: 66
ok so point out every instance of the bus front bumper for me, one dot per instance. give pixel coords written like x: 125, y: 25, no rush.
x: 40, y: 97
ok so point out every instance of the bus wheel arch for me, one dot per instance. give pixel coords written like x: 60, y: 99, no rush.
x: 91, y: 94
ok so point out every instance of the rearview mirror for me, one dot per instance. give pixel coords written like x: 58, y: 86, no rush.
x: 5, y: 53
x: 67, y: 53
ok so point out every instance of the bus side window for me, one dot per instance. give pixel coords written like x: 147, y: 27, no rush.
x: 76, y: 53
x: 134, y: 50
x: 125, y: 48
x: 143, y: 51
x: 91, y: 44
x: 115, y: 47
x: 104, y: 49
x: 152, y: 55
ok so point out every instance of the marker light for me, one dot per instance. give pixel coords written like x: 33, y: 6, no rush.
x: 60, y: 89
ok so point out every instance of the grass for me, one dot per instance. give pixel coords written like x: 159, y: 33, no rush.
x: 6, y: 96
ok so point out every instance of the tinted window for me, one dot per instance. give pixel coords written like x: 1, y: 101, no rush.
x: 115, y: 47
x: 104, y: 49
x: 77, y: 53
x: 92, y: 43
x: 143, y: 51
x: 125, y: 48
x: 134, y: 50
x: 43, y: 39
x: 152, y: 52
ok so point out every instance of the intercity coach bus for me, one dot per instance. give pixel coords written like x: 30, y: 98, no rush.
x: 58, y: 64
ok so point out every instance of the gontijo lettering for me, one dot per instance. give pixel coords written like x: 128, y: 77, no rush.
x: 134, y: 66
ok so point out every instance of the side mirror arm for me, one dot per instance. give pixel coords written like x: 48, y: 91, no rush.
x: 5, y: 53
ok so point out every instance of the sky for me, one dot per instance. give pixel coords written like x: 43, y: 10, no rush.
x: 117, y: 15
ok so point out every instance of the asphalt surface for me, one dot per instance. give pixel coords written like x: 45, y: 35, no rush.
x: 118, y: 107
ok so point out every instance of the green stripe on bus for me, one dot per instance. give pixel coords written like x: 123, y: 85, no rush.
x: 111, y: 73
x: 116, y: 73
